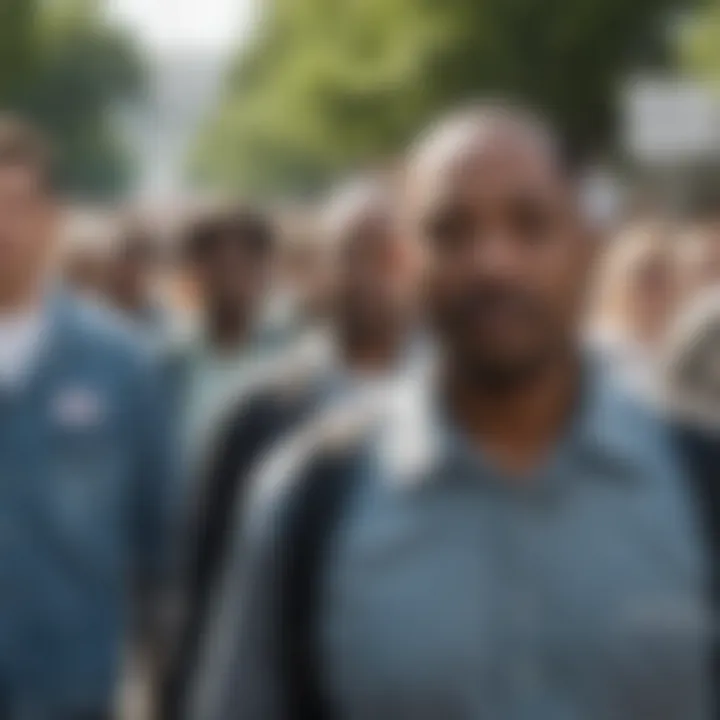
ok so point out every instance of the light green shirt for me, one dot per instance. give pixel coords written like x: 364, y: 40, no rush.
x: 214, y: 381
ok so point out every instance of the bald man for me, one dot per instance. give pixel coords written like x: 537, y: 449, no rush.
x: 368, y: 339
x: 508, y: 537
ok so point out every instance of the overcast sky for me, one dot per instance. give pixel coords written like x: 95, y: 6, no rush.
x: 179, y: 24
x: 187, y: 43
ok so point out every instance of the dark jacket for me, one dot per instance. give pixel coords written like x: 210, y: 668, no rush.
x: 281, y: 402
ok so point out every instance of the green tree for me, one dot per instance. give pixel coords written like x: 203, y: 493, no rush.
x: 79, y: 71
x: 699, y: 42
x: 327, y: 84
x: 17, y: 34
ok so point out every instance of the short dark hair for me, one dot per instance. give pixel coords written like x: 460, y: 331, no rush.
x: 250, y: 226
x: 22, y: 144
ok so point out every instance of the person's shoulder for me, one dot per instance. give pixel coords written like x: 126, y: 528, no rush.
x: 635, y: 415
x: 292, y: 379
x: 658, y: 437
x: 632, y: 416
x: 103, y: 335
x: 100, y: 324
x: 337, y: 436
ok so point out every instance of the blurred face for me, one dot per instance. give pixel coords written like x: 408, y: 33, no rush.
x: 132, y: 273
x: 26, y: 231
x: 86, y: 272
x: 233, y: 273
x: 306, y: 276
x: 651, y: 297
x: 375, y: 280
x: 505, y: 259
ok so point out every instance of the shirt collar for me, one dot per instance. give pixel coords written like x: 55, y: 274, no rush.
x: 417, y: 441
x: 611, y: 423
x: 56, y: 317
x: 259, y: 338
x: 412, y: 352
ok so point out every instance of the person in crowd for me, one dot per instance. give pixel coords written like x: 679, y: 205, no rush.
x: 132, y: 278
x: 302, y: 287
x: 369, y: 339
x: 230, y: 256
x: 512, y: 535
x: 699, y: 258
x: 638, y: 294
x: 85, y: 466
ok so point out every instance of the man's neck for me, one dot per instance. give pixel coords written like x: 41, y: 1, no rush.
x: 135, y: 306
x: 20, y: 301
x: 227, y: 330
x: 373, y: 353
x: 516, y: 424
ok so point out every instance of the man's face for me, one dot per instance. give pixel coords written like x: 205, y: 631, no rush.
x: 233, y: 273
x: 307, y: 277
x: 651, y: 297
x: 86, y: 272
x: 26, y: 228
x: 133, y: 272
x: 505, y: 261
x: 374, y: 274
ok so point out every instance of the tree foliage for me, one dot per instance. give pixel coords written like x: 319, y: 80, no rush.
x: 17, y: 31
x: 699, y: 42
x: 328, y: 84
x: 70, y: 71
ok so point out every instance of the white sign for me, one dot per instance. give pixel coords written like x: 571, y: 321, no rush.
x: 669, y: 121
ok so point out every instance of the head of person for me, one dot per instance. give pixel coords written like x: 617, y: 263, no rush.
x: 85, y: 269
x: 505, y: 249
x: 231, y: 257
x: 373, y: 270
x: 28, y: 213
x: 133, y: 267
x: 308, y: 276
x: 638, y: 285
x: 304, y: 272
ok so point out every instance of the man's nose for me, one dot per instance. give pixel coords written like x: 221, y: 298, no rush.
x: 494, y: 254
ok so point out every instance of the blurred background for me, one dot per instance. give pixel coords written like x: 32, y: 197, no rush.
x: 155, y: 100
x: 156, y: 108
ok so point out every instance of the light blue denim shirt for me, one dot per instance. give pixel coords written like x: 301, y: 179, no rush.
x: 577, y: 593
x: 85, y: 488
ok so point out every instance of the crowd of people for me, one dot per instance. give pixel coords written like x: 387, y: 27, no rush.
x: 440, y: 446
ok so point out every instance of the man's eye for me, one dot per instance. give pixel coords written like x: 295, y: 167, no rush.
x: 531, y: 222
x: 448, y: 230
